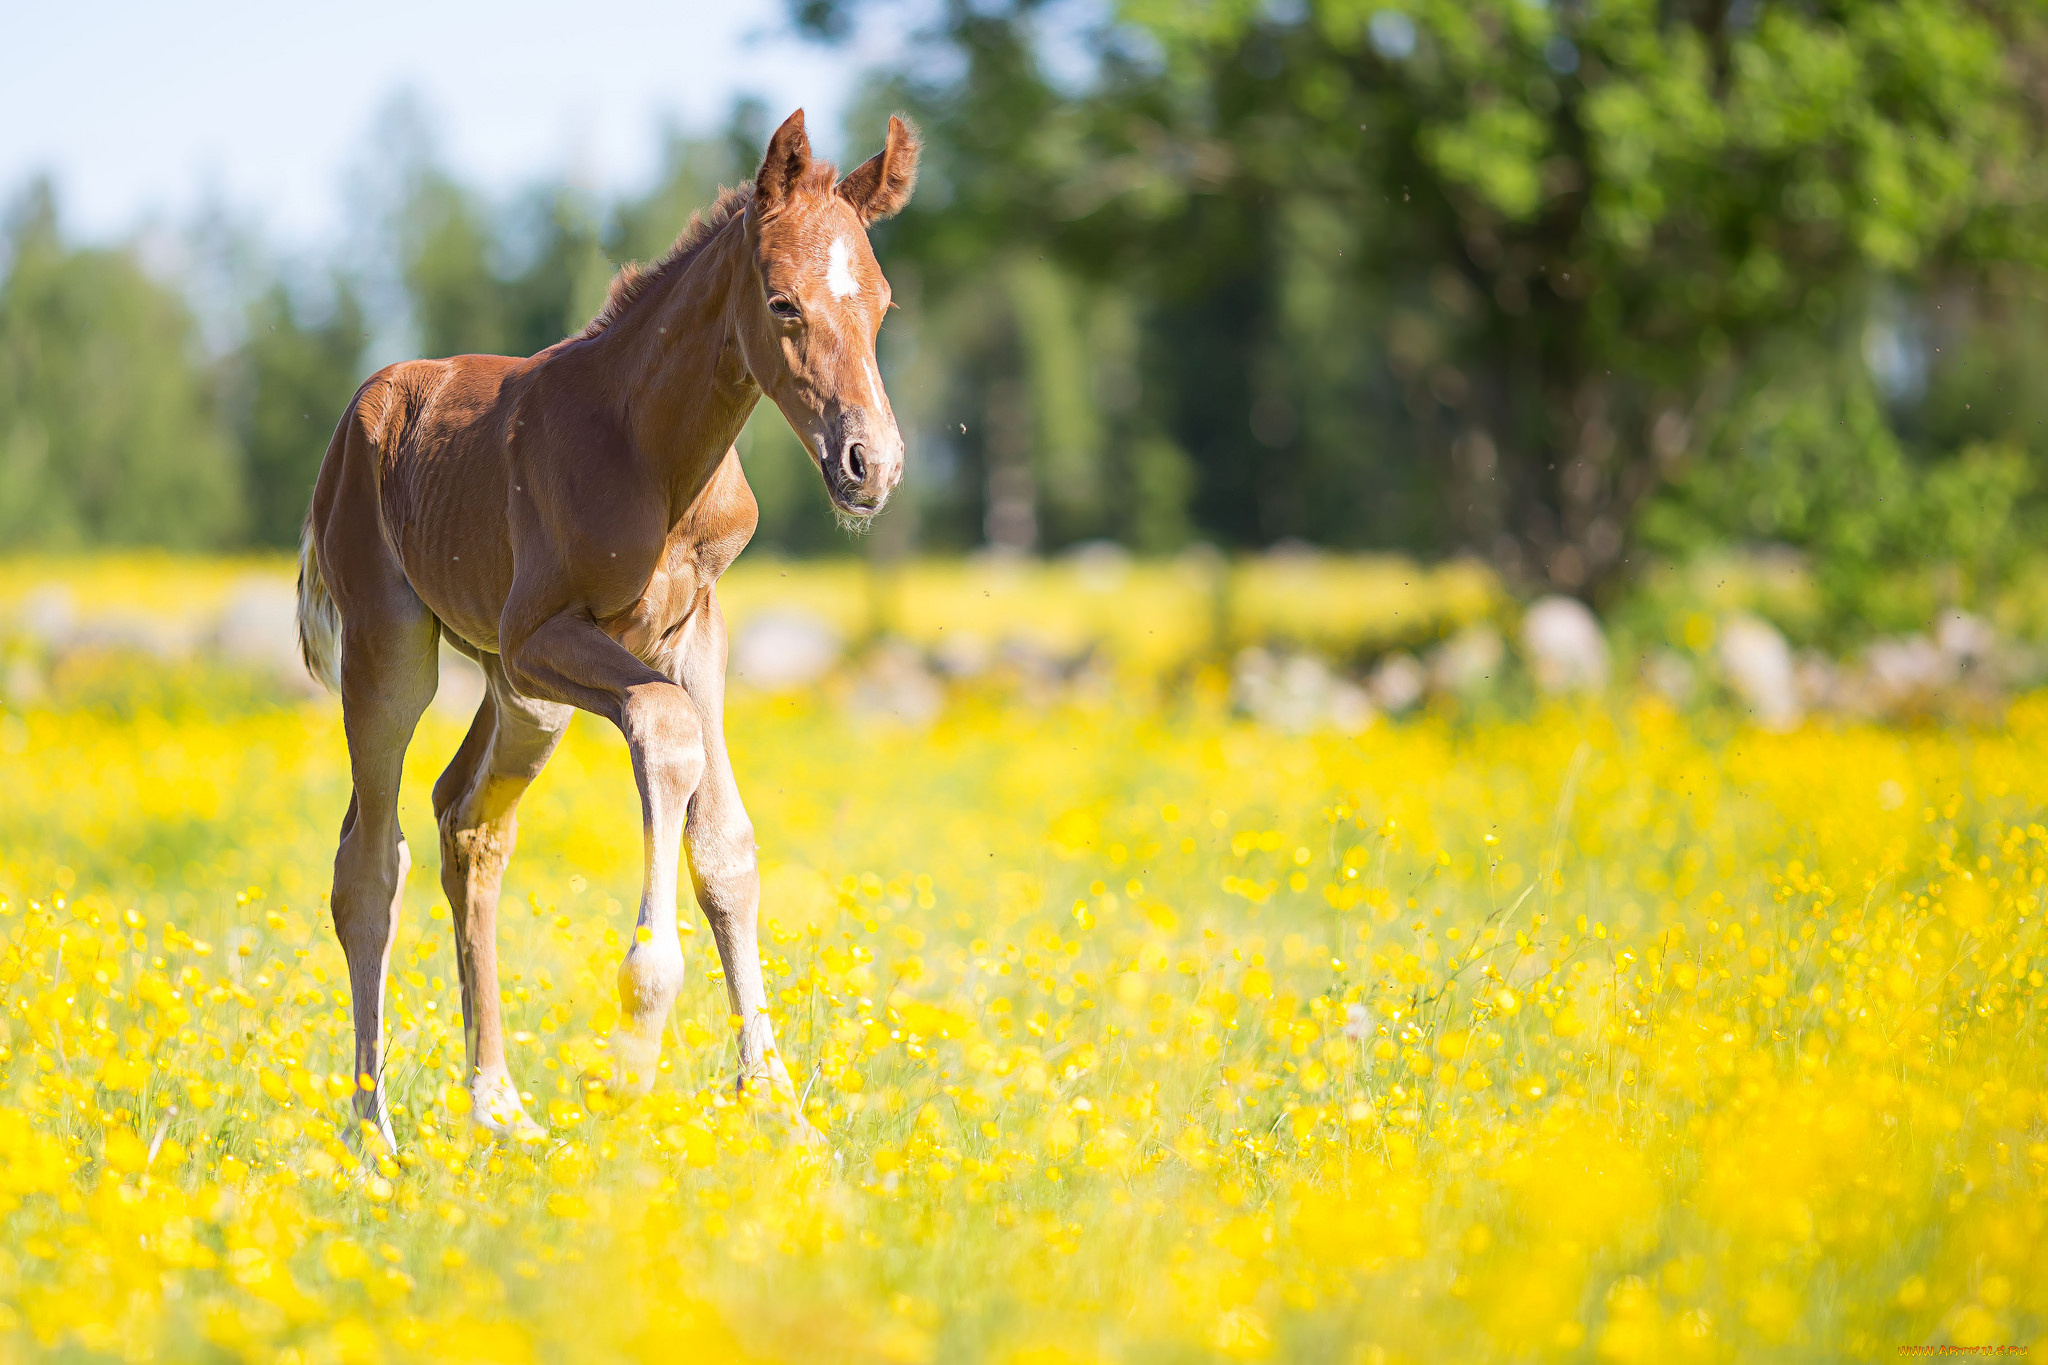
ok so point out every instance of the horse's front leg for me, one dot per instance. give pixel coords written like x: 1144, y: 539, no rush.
x: 722, y: 862
x: 569, y: 659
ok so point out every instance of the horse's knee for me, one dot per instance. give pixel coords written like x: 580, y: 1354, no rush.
x: 479, y: 826
x: 474, y: 855
x: 476, y: 798
x: 726, y: 868
x: 667, y: 740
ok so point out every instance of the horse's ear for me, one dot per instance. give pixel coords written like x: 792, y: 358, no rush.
x: 789, y: 157
x: 881, y: 185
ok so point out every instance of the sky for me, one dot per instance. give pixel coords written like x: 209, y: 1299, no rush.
x: 145, y: 113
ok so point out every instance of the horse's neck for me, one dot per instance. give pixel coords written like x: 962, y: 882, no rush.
x: 676, y: 367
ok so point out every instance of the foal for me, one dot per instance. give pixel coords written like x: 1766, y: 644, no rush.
x: 563, y: 521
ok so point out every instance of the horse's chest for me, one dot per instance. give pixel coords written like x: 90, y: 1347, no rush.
x: 658, y: 624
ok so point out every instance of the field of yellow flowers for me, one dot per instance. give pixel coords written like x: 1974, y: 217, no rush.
x: 1589, y: 1032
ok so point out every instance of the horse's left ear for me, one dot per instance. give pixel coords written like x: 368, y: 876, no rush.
x: 880, y: 186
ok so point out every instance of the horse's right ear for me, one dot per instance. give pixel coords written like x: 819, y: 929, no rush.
x: 789, y: 157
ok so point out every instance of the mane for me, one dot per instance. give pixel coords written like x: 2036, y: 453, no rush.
x: 635, y: 281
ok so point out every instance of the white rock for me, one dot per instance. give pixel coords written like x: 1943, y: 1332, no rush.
x: 1251, y: 680
x: 784, y: 648
x: 126, y: 631
x: 1350, y: 708
x: 1757, y: 664
x: 48, y: 615
x: 1670, y: 675
x: 1468, y: 661
x: 1301, y: 694
x: 1298, y: 694
x: 1817, y: 680
x: 22, y: 684
x: 1567, y: 651
x: 1398, y: 682
x: 1100, y: 565
x: 1907, y: 673
x: 1029, y: 659
x: 1967, y: 639
x: 963, y: 654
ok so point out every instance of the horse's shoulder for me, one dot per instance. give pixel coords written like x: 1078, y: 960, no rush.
x: 564, y: 410
x: 729, y: 516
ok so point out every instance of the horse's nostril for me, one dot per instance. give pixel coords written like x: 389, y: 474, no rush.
x: 857, y: 463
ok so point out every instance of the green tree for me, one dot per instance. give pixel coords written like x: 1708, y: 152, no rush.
x: 562, y: 278
x: 1642, y: 204
x: 109, y: 426
x: 444, y: 245
x: 1025, y: 358
x: 1468, y: 273
x: 297, y: 373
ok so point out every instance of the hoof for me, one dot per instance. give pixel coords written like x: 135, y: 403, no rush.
x: 773, y: 1089
x: 767, y: 1085
x: 368, y: 1140
x: 604, y: 1093
x: 495, y: 1109
x: 595, y: 1088
x: 623, y: 1076
x: 808, y: 1135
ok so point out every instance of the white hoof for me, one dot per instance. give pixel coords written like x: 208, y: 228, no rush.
x: 369, y: 1138
x: 772, y: 1087
x: 494, y: 1108
x: 624, y: 1075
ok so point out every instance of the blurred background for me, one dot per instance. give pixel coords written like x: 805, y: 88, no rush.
x: 1718, y: 318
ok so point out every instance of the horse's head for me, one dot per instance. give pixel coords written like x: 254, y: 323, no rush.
x: 808, y: 319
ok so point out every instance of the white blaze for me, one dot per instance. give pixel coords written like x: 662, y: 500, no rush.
x: 838, y: 274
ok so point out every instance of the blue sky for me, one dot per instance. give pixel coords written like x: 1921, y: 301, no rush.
x: 145, y: 112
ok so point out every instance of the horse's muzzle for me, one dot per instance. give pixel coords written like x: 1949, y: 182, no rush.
x: 863, y: 465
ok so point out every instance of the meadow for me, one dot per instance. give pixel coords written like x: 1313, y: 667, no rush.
x: 1509, y: 1030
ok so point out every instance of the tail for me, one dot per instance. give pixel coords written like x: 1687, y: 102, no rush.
x: 319, y: 618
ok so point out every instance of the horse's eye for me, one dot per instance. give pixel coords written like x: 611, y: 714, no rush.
x: 783, y: 308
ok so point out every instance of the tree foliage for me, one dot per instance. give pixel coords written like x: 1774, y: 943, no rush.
x: 1476, y: 274
x: 299, y: 369
x: 109, y: 426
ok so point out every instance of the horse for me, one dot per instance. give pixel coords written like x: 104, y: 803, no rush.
x: 563, y: 520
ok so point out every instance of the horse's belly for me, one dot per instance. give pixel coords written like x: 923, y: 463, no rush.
x: 458, y: 561
x: 475, y: 631
x: 459, y: 582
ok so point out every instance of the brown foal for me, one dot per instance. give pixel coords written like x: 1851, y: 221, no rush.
x: 563, y: 520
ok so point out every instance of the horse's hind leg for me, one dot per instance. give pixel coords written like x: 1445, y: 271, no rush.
x: 475, y: 803
x: 388, y: 675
